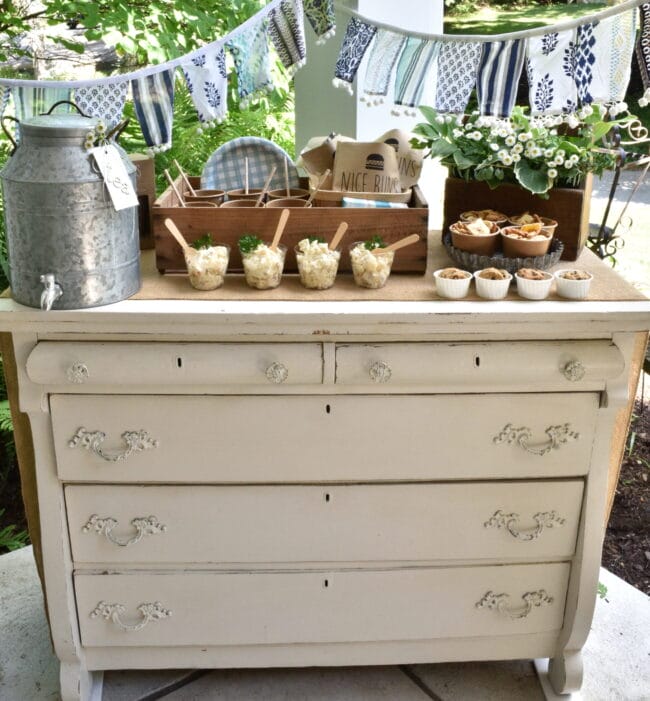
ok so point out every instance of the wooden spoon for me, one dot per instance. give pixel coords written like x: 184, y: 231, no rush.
x: 334, y: 243
x: 284, y: 217
x: 266, y: 187
x: 173, y: 230
x: 406, y: 241
x: 170, y: 180
x: 323, y: 178
x: 186, y: 180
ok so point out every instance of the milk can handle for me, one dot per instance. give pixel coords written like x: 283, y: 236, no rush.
x: 66, y: 102
x: 117, y: 130
x: 6, y: 131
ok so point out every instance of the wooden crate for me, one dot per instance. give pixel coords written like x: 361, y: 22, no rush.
x: 227, y: 225
x: 569, y: 207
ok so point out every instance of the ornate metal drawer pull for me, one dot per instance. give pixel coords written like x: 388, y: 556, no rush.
x: 77, y: 373
x: 144, y: 525
x: 557, y: 436
x: 277, y: 372
x: 532, y: 599
x: 574, y: 371
x: 380, y: 372
x: 545, y: 519
x: 150, y: 614
x: 136, y: 442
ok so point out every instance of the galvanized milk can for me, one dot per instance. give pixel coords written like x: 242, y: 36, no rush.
x: 68, y: 247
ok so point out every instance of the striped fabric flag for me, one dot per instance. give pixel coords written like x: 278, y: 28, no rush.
x: 287, y: 32
x: 29, y: 102
x: 415, y: 62
x: 372, y: 204
x: 498, y: 75
x: 358, y: 36
x: 5, y: 94
x: 153, y: 99
x: 381, y: 61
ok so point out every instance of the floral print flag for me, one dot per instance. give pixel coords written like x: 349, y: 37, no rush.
x: 358, y: 36
x: 207, y: 82
x: 457, y: 66
x: 250, y: 51
x: 320, y: 14
x: 104, y: 101
x: 550, y: 64
x: 287, y: 32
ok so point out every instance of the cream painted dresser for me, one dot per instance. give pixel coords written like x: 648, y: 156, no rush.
x: 260, y: 484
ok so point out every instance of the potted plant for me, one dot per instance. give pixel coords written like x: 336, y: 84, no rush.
x: 542, y: 164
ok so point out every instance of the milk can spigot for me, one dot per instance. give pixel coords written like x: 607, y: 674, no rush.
x: 51, y: 293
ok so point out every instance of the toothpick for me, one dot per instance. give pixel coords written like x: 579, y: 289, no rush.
x: 246, y: 175
x: 170, y: 180
x: 323, y: 178
x: 266, y: 187
x: 286, y: 177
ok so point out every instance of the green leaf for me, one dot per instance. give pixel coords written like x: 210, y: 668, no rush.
x: 442, y: 149
x: 599, y: 130
x: 428, y: 130
x: 536, y: 181
x: 429, y: 114
x: 249, y: 242
x: 484, y: 174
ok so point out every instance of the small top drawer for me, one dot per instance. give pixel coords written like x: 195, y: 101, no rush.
x: 489, y: 366
x: 95, y: 363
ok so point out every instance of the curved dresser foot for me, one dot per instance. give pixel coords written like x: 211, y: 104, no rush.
x: 560, y: 676
x: 79, y: 684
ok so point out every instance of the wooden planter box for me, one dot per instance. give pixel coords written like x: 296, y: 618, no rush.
x: 227, y: 225
x: 569, y: 207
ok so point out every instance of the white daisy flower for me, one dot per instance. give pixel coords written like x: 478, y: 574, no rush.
x: 552, y: 173
x: 517, y: 148
x: 510, y: 140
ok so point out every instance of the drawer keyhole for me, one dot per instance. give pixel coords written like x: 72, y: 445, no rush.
x: 477, y: 361
x: 327, y: 497
x: 328, y: 409
x: 326, y: 583
x: 179, y: 362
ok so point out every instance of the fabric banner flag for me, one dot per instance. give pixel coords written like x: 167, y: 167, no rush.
x: 643, y: 52
x: 106, y: 102
x: 250, y: 51
x: 498, y: 76
x: 457, y: 67
x: 207, y: 83
x: 381, y: 61
x: 415, y: 62
x: 153, y: 99
x: 585, y: 58
x: 287, y: 32
x: 358, y: 36
x: 5, y: 94
x: 320, y: 14
x: 550, y: 65
x: 29, y: 102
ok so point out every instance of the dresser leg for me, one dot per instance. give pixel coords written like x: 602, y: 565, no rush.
x: 78, y: 684
x: 560, y: 676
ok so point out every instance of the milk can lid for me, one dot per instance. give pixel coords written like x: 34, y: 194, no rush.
x: 62, y: 125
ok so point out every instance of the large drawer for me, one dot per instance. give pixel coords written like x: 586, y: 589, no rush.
x: 328, y: 438
x: 488, y: 366
x: 335, y: 524
x: 310, y: 607
x: 161, y: 364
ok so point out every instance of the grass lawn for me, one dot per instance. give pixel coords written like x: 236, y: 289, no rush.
x: 498, y: 20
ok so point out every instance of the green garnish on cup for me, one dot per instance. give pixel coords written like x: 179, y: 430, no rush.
x: 315, y: 239
x: 203, y: 242
x: 375, y: 242
x: 249, y: 242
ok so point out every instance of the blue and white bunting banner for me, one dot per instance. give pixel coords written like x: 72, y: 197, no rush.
x: 417, y: 59
x: 287, y: 33
x: 550, y: 64
x: 498, y: 75
x: 356, y: 41
x: 457, y: 68
x: 106, y: 102
x: 382, y: 59
x: 153, y: 99
x: 585, y: 59
x: 250, y: 51
x: 207, y: 82
x: 643, y: 53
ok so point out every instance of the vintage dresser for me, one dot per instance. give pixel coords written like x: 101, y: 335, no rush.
x: 260, y: 484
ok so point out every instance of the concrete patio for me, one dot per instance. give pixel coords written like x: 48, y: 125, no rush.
x: 616, y: 662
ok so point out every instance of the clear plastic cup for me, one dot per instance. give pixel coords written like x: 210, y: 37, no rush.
x: 207, y: 267
x: 370, y: 270
x: 317, y: 265
x: 263, y: 267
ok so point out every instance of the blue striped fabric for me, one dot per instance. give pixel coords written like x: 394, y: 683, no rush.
x: 153, y: 99
x: 379, y: 204
x: 498, y: 76
x: 414, y: 63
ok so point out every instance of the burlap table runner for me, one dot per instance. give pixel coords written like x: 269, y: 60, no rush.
x: 402, y: 287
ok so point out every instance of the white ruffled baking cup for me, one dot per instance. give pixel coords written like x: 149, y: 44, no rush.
x: 533, y: 289
x: 491, y: 289
x: 452, y: 289
x: 572, y: 289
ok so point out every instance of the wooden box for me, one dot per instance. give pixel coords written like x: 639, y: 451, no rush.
x: 569, y: 207
x: 227, y: 225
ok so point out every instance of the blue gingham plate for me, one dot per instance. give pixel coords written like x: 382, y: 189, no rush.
x: 225, y: 167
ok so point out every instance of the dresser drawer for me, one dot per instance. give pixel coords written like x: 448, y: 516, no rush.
x: 344, y: 524
x: 493, y: 366
x: 305, y: 439
x: 162, y: 364
x: 329, y: 438
x: 273, y: 608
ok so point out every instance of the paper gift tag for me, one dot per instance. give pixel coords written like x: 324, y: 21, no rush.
x: 117, y: 180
